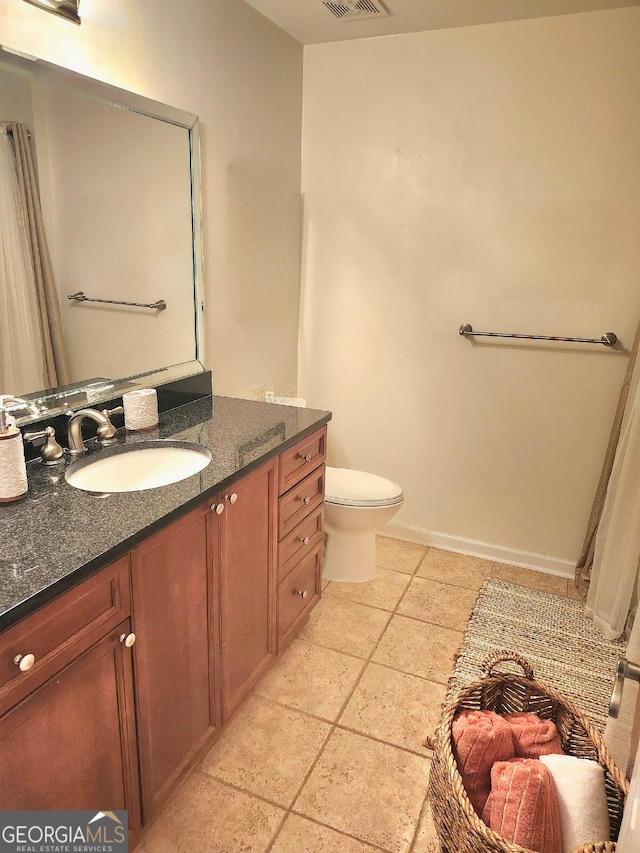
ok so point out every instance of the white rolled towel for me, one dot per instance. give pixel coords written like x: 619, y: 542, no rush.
x: 582, y: 800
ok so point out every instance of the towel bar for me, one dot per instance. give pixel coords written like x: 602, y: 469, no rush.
x: 609, y: 339
x: 160, y: 305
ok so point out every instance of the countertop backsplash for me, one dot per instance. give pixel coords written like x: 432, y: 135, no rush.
x: 171, y: 395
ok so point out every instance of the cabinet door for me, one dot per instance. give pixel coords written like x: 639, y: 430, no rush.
x: 60, y: 631
x: 245, y: 549
x: 173, y: 621
x: 70, y: 744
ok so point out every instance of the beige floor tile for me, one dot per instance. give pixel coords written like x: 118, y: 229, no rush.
x: 397, y: 555
x: 367, y: 789
x: 267, y: 750
x: 395, y: 707
x: 345, y: 626
x: 531, y: 579
x: 369, y: 781
x: 418, y: 648
x: 299, y: 835
x: 207, y: 815
x: 456, y: 569
x: 426, y: 837
x: 312, y: 678
x: 384, y: 591
x: 439, y: 603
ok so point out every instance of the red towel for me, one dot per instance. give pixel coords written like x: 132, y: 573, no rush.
x: 532, y: 736
x: 479, y: 739
x: 522, y: 806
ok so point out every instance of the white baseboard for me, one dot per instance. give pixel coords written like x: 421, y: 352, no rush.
x: 474, y: 548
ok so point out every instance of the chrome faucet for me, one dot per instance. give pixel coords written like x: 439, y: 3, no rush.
x: 106, y: 430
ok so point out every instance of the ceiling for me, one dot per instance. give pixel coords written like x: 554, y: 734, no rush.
x: 311, y: 22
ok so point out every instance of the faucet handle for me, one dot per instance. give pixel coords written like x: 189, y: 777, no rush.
x: 51, y: 452
x: 107, y: 431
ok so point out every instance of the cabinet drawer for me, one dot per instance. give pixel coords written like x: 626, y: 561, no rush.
x: 297, y: 594
x: 300, y: 501
x: 303, y: 538
x: 62, y: 630
x: 301, y: 459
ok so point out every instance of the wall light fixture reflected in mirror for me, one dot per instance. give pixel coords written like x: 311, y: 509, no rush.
x: 67, y: 9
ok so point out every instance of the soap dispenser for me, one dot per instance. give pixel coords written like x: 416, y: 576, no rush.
x: 13, y: 468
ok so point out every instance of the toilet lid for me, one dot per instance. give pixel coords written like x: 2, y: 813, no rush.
x: 357, y: 488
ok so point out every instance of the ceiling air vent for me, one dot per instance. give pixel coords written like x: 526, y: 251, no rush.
x: 356, y: 10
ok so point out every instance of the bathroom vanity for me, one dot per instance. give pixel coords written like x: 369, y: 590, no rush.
x: 134, y: 625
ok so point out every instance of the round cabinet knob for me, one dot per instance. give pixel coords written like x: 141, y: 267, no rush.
x: 128, y: 640
x: 302, y: 593
x: 231, y: 498
x: 306, y: 457
x: 217, y: 508
x: 305, y: 500
x: 303, y: 539
x: 24, y: 662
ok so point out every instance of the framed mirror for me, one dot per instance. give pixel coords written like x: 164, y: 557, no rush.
x: 119, y: 186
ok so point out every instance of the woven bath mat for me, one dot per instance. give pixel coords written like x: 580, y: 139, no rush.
x: 565, y: 649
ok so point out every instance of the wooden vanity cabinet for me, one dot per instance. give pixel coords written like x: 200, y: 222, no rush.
x: 67, y: 723
x: 244, y: 524
x: 300, y: 533
x: 105, y: 718
x: 174, y: 606
x: 204, y: 613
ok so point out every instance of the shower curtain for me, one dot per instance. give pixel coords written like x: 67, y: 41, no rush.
x: 21, y: 356
x: 29, y: 301
x: 611, y: 553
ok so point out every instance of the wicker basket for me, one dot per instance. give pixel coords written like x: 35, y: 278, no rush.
x: 459, y: 828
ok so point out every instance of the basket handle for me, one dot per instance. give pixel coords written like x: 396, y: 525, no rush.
x: 497, y: 657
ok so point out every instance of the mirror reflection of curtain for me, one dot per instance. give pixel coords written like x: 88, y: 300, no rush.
x: 21, y: 357
x: 30, y: 310
x: 608, y: 565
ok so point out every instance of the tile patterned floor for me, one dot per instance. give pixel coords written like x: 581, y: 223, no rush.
x: 327, y: 755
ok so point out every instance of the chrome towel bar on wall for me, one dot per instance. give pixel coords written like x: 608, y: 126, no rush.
x: 160, y: 305
x: 609, y: 339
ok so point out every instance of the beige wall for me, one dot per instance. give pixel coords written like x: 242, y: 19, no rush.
x: 487, y: 175
x: 242, y: 76
x: 15, y: 103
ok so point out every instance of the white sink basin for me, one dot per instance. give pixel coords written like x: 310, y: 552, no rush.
x: 139, y: 466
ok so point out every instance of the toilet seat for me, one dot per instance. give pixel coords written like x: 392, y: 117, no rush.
x: 346, y: 487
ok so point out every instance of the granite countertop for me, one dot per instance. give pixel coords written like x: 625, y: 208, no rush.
x: 58, y: 535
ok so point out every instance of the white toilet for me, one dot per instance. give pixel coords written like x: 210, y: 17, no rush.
x: 355, y: 505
